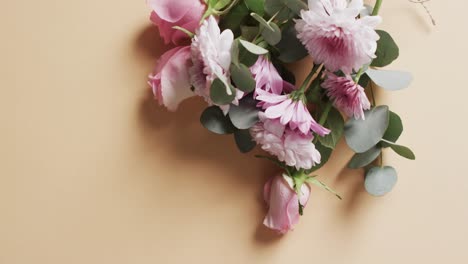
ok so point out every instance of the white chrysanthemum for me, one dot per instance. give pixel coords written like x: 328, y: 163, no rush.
x: 335, y: 37
x: 211, y: 56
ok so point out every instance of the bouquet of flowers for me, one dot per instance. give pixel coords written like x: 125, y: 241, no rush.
x: 234, y: 53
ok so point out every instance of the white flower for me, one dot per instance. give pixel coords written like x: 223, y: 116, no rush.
x: 335, y: 37
x: 290, y: 146
x: 211, y: 57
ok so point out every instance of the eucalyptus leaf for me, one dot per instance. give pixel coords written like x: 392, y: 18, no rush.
x: 235, y: 52
x: 362, y: 135
x: 325, y: 153
x: 249, y: 32
x: 235, y: 17
x: 380, y: 180
x: 390, y: 80
x: 246, y: 57
x: 262, y: 21
x: 242, y: 78
x: 215, y: 121
x: 335, y: 123
x: 290, y: 48
x: 220, y: 94
x: 394, y: 130
x: 252, y: 48
x: 403, y: 151
x: 360, y: 160
x: 244, y: 141
x: 284, y: 9
x: 257, y: 6
x: 272, y: 37
x: 387, y: 50
x: 244, y: 115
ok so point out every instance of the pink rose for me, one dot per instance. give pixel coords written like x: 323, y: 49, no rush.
x: 283, y: 213
x: 170, y: 80
x: 169, y: 13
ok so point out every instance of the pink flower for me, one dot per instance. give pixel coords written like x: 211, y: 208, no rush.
x: 347, y: 95
x: 283, y: 202
x: 290, y: 112
x: 289, y: 146
x: 170, y: 80
x: 169, y: 13
x: 333, y: 36
x: 211, y: 56
x: 266, y: 76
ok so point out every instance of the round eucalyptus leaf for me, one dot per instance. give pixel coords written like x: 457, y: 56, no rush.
x: 387, y: 50
x: 361, y: 160
x: 234, y: 18
x: 242, y: 78
x: 335, y: 123
x: 390, y: 80
x: 380, y: 180
x: 394, y: 130
x: 279, y: 7
x: 244, y: 141
x: 215, y: 121
x: 246, y: 57
x: 362, y: 135
x: 290, y: 48
x: 272, y: 37
x: 252, y: 48
x: 249, y: 32
x: 244, y: 115
x: 220, y: 93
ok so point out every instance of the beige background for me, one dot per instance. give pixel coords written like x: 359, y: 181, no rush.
x: 93, y: 171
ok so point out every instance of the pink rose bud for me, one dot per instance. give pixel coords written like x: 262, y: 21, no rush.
x: 170, y: 80
x: 283, y: 203
x: 169, y: 13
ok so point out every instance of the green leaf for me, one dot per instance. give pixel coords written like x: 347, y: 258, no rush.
x: 325, y: 153
x: 390, y: 80
x: 262, y: 21
x: 272, y: 37
x: 285, y: 9
x: 244, y: 115
x: 244, y: 140
x: 248, y: 32
x: 380, y: 180
x: 215, y: 121
x: 257, y: 6
x: 290, y: 48
x: 387, y: 50
x: 221, y: 94
x: 246, y: 57
x: 242, y: 78
x: 403, y: 151
x: 361, y: 135
x: 252, y: 48
x: 235, y: 17
x: 360, y: 160
x: 335, y: 123
x: 394, y: 130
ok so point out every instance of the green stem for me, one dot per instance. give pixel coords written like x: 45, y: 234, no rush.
x: 377, y: 6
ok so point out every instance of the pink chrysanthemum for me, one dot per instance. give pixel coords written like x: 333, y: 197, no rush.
x: 347, y: 95
x: 266, y: 76
x: 333, y: 36
x: 290, y: 146
x: 211, y: 57
x: 293, y: 113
